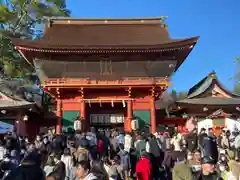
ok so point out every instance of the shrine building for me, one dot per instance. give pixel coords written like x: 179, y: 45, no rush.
x: 107, y: 71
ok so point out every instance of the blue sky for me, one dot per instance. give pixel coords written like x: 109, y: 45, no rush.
x: 217, y: 22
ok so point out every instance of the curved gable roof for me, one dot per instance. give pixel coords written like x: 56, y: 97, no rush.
x: 206, y: 83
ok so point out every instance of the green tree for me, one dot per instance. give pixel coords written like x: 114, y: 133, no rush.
x: 236, y: 88
x: 182, y: 95
x: 175, y: 96
x: 23, y: 19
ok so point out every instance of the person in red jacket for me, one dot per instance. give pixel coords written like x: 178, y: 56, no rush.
x: 144, y: 168
x: 100, y: 148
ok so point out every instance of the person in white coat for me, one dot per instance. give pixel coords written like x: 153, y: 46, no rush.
x: 128, y: 142
x: 176, y: 142
x: 67, y: 160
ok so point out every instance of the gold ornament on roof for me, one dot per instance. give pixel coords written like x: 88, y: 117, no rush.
x: 129, y: 91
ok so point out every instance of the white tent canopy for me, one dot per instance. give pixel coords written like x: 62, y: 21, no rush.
x: 232, y: 124
x: 5, y: 127
x: 205, y: 123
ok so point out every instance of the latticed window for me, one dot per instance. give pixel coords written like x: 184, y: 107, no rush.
x: 106, y: 67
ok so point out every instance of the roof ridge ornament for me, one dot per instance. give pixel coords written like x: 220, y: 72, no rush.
x: 213, y: 75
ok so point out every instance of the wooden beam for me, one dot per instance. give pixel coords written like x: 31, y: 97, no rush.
x: 164, y: 84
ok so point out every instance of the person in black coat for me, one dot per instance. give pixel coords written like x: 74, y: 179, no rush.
x: 29, y: 169
x: 192, y: 141
x: 209, y: 148
x: 58, y: 144
x: 59, y: 170
x: 154, y: 148
x: 201, y: 135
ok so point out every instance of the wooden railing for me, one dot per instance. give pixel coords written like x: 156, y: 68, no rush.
x: 92, y: 82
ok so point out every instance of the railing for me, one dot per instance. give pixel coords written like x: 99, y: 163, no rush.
x: 92, y: 82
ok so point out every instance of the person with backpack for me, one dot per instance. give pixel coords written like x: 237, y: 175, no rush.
x: 82, y: 153
x: 140, y: 146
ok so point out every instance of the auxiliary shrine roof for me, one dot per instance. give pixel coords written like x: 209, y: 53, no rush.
x: 9, y: 99
x: 209, y: 91
x: 104, y: 34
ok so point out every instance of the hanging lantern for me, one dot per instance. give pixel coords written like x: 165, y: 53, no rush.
x: 77, y: 124
x: 124, y: 104
x: 184, y: 115
x: 3, y: 111
x: 25, y: 118
x: 205, y: 109
x: 135, y: 124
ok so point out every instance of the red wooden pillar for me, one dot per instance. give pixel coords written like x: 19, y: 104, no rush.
x: 153, y: 115
x: 83, y: 115
x: 20, y: 125
x: 59, y: 117
x: 127, y: 123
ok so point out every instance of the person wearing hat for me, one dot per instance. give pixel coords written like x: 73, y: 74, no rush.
x: 208, y: 170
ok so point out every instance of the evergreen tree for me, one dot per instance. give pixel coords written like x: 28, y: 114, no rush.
x: 23, y: 19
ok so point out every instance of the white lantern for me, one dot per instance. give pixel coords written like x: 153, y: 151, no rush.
x: 3, y: 111
x: 25, y: 118
x: 77, y: 125
x: 135, y: 124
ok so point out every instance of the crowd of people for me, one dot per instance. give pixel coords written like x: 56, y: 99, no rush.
x: 137, y: 155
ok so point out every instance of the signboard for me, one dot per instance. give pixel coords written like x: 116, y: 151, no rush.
x: 106, y: 118
x: 113, y: 119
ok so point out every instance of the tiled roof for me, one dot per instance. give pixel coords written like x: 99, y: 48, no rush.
x: 205, y: 84
x: 211, y: 101
x: 9, y: 97
x: 97, y: 34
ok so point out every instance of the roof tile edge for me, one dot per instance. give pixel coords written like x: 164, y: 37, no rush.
x: 156, y: 20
